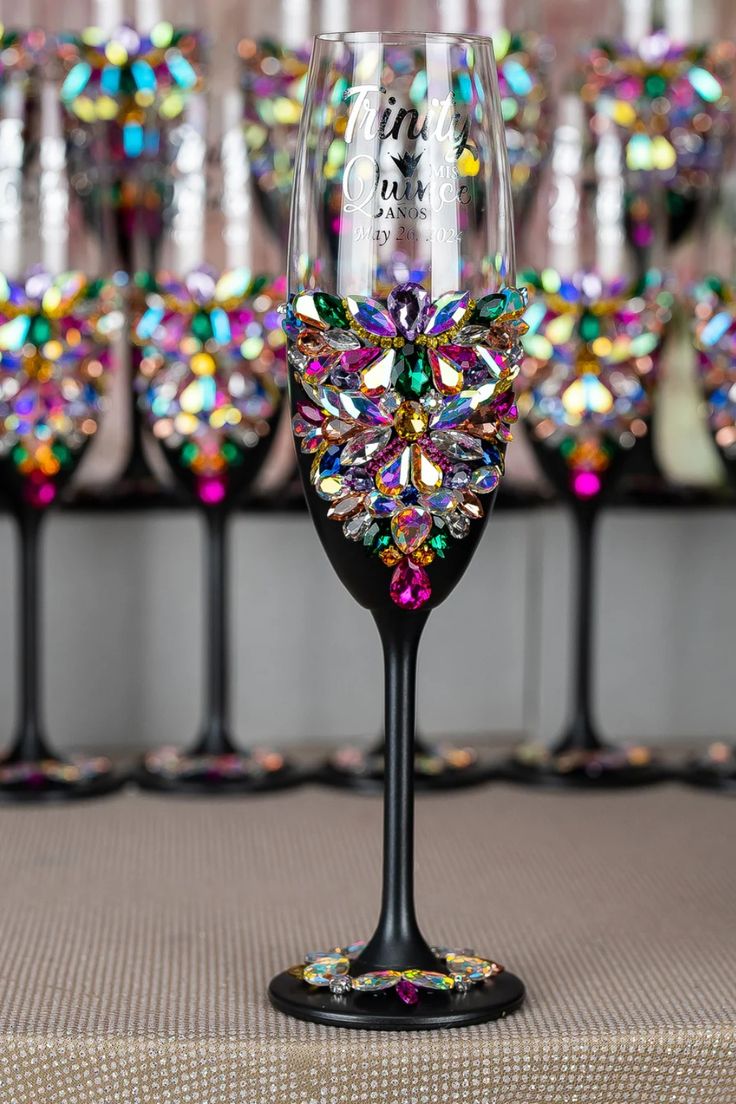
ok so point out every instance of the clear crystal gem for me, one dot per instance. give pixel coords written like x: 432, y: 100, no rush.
x: 408, y: 305
x: 342, y: 340
x: 458, y: 524
x: 341, y: 985
x: 356, y: 526
x: 376, y: 980
x: 470, y: 335
x: 429, y: 979
x: 474, y: 969
x: 410, y: 527
x: 365, y: 446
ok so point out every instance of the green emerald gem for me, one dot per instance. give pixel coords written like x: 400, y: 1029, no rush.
x: 490, y: 307
x: 382, y: 541
x: 415, y: 378
x: 145, y: 280
x: 330, y: 309
x: 438, y: 543
x: 590, y: 327
x: 40, y: 330
x: 655, y: 85
x: 202, y: 326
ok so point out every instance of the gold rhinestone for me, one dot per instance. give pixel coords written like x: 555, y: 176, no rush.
x: 390, y: 556
x: 422, y: 556
x: 411, y: 421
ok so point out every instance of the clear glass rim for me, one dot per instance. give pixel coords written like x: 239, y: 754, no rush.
x: 408, y: 38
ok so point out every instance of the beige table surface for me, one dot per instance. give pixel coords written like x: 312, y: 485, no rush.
x: 137, y: 935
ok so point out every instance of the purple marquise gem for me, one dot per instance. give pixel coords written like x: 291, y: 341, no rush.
x: 408, y: 304
x: 407, y: 992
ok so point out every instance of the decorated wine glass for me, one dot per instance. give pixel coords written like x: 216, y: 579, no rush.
x: 670, y: 104
x: 128, y: 91
x: 711, y: 308
x: 591, y: 356
x: 403, y: 324
x: 211, y: 380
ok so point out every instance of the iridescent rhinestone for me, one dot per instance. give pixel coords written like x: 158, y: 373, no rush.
x: 494, y: 363
x: 458, y: 524
x: 408, y: 304
x: 455, y: 411
x: 380, y: 504
x: 323, y: 956
x: 365, y: 446
x: 376, y: 980
x: 446, y: 312
x: 410, y: 527
x: 297, y: 359
x: 448, y: 379
x: 369, y: 314
x: 342, y: 340
x: 316, y: 371
x: 358, y: 479
x: 362, y: 409
x: 441, y: 502
x: 376, y: 378
x: 305, y: 309
x: 485, y: 479
x: 355, y: 360
x: 458, y: 445
x: 474, y: 969
x: 471, y: 505
x: 394, y: 477
x: 410, y: 586
x: 460, y: 478
x: 356, y: 527
x: 428, y: 979
x: 322, y: 970
x: 341, y: 985
x: 410, y: 421
x: 327, y: 398
x: 337, y: 430
x: 354, y: 949
x: 425, y: 474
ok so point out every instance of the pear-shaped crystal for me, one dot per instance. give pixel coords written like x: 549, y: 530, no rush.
x: 305, y: 309
x: 342, y: 340
x: 460, y: 446
x: 380, y: 504
x: 410, y: 586
x: 446, y: 312
x: 365, y: 446
x: 408, y: 304
x: 376, y: 378
x: 485, y: 479
x: 362, y: 409
x: 455, y: 411
x: 393, y: 478
x: 410, y: 528
x: 425, y: 474
x: 448, y: 378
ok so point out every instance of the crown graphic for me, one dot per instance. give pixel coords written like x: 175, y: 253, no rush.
x: 407, y: 163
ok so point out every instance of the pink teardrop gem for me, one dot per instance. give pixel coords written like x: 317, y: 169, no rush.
x: 410, y: 585
x: 407, y: 992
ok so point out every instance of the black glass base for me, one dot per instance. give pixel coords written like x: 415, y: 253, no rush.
x: 169, y: 770
x: 716, y: 770
x: 383, y: 1011
x: 602, y: 768
x: 437, y: 767
x: 55, y: 780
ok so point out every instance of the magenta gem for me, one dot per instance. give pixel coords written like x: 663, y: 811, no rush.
x: 410, y: 585
x: 355, y: 360
x: 408, y: 305
x: 407, y: 992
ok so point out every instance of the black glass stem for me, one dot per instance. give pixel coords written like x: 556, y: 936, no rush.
x: 29, y: 743
x: 397, y: 939
x: 215, y: 738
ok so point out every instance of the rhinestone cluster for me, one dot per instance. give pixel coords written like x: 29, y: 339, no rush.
x: 331, y: 970
x: 54, y: 362
x: 172, y: 764
x: 523, y: 60
x: 212, y: 369
x: 590, y: 358
x: 714, y: 334
x: 137, y: 81
x: 405, y: 406
x: 53, y: 772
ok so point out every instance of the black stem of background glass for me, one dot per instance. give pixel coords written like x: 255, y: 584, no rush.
x: 580, y: 733
x: 215, y: 738
x: 29, y: 744
x: 397, y: 942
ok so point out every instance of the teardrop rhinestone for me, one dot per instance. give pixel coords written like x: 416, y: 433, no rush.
x: 356, y: 526
x: 355, y: 360
x: 377, y: 377
x: 337, y: 430
x: 316, y: 371
x: 455, y: 411
x: 471, y: 506
x: 410, y: 528
x: 330, y: 309
x: 369, y: 314
x: 446, y: 312
x: 323, y: 956
x: 305, y: 309
x: 462, y: 356
x: 471, y: 335
x: 321, y: 971
x: 485, y: 479
x: 441, y: 502
x: 345, y: 507
x: 342, y: 340
x: 425, y: 474
x: 362, y: 409
x: 493, y: 362
x: 310, y: 343
x: 381, y: 505
x: 490, y: 307
x: 408, y: 305
x: 448, y: 378
x: 407, y: 992
x: 410, y: 421
x: 312, y: 440
x: 394, y: 477
x: 326, y: 398
x: 458, y: 524
x: 428, y: 979
x: 483, y: 424
x: 376, y: 980
x: 410, y: 586
x: 354, y: 949
x: 460, y: 446
x: 474, y: 969
x: 365, y: 446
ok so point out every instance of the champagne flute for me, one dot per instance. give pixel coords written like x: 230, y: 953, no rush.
x: 57, y: 319
x: 403, y: 326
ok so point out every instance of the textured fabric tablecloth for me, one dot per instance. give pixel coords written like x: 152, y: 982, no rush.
x: 137, y: 936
